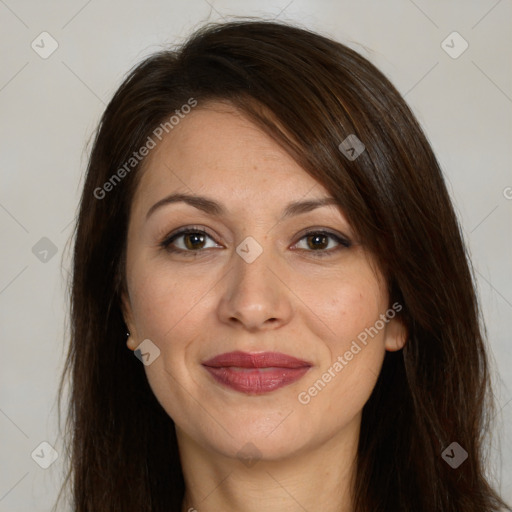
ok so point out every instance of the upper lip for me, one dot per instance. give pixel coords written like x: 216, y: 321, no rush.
x: 255, y: 360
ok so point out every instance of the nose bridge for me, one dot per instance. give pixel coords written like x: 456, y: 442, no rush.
x: 251, y: 263
x: 251, y: 275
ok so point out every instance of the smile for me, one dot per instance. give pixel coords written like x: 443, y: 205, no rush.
x: 256, y: 373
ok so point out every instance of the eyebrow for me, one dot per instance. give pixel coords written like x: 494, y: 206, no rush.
x: 212, y: 207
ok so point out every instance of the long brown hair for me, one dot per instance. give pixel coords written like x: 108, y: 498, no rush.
x: 123, y: 454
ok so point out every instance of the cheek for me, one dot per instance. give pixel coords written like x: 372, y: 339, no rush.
x: 162, y: 299
x: 168, y: 308
x: 354, y: 348
x: 342, y: 306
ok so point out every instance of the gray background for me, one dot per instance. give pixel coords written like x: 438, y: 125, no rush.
x: 51, y: 106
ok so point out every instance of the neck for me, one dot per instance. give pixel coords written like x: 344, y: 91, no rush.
x: 316, y: 477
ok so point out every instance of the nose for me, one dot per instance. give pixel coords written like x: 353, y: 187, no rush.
x: 255, y: 295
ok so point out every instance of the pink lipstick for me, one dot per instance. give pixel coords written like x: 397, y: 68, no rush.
x: 256, y: 373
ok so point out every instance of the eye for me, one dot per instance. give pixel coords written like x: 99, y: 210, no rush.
x: 187, y: 240
x: 319, y: 242
x: 191, y: 241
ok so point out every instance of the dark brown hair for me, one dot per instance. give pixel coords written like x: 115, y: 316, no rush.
x: 122, y: 445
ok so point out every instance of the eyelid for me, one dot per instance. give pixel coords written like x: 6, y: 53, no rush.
x: 340, y: 237
x: 184, y: 230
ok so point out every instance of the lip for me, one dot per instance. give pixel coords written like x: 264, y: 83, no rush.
x: 256, y: 373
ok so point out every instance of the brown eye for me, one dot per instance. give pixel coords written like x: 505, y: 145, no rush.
x: 191, y: 241
x: 317, y: 241
x: 323, y: 243
x: 194, y: 240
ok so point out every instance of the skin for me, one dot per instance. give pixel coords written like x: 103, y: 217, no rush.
x: 288, y: 300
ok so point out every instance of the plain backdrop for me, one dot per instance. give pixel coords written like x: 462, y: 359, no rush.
x: 50, y: 107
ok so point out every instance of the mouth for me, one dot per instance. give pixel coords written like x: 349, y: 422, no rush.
x: 256, y: 373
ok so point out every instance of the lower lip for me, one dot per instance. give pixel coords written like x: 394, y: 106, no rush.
x: 256, y: 381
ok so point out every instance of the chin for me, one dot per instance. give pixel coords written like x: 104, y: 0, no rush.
x: 258, y: 439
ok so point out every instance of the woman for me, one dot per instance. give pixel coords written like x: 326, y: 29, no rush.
x: 265, y: 226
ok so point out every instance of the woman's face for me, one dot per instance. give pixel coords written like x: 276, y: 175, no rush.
x: 255, y: 282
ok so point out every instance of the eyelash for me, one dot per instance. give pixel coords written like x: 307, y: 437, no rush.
x: 344, y: 243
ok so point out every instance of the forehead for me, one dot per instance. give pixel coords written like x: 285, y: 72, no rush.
x: 217, y: 149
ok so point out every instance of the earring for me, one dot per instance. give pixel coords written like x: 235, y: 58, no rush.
x: 128, y: 341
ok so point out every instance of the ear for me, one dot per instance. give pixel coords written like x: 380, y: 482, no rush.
x: 396, y: 335
x: 126, y: 308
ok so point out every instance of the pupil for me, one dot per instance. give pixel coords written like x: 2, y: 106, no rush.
x: 192, y: 239
x: 316, y: 238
